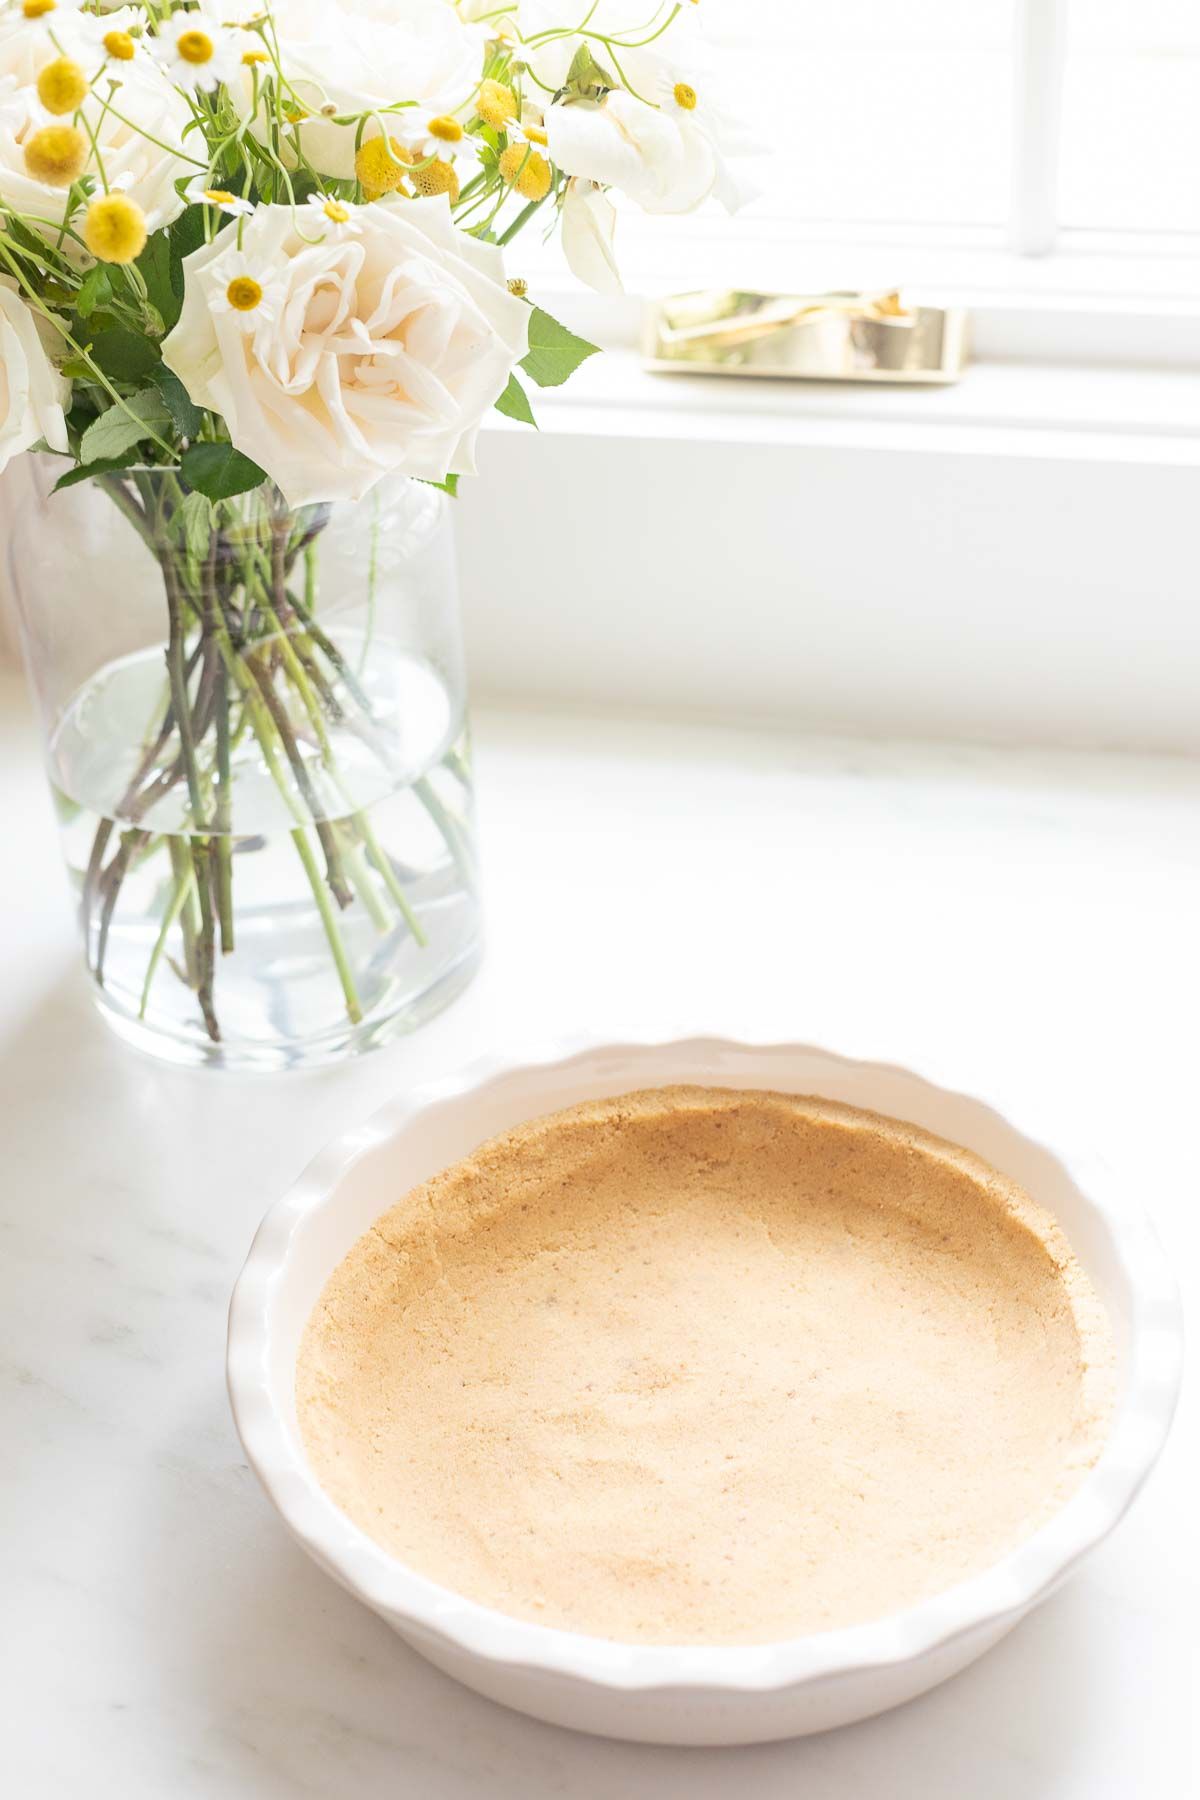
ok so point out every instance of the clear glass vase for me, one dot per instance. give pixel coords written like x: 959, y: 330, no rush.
x: 256, y: 737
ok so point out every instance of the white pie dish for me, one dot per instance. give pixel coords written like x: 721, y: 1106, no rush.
x: 685, y: 1694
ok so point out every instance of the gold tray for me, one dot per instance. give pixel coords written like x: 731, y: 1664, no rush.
x: 809, y: 337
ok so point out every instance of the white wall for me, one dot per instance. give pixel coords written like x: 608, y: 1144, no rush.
x: 1003, y: 585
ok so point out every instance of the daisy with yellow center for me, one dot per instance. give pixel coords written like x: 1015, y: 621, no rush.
x: 240, y: 292
x: 62, y: 86
x: 34, y: 10
x: 527, y: 131
x: 444, y: 137
x: 200, y: 194
x: 119, y: 45
x: 114, y: 228
x: 334, y: 216
x: 196, y: 52
x: 684, y: 96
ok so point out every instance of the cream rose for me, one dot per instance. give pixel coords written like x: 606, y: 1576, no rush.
x: 379, y: 349
x: 143, y: 170
x: 32, y: 392
x: 359, y: 55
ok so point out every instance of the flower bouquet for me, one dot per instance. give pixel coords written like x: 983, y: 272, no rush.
x: 253, y: 305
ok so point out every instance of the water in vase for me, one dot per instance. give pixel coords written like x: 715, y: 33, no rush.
x: 333, y: 890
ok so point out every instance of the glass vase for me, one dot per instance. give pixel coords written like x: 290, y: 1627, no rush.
x: 256, y: 738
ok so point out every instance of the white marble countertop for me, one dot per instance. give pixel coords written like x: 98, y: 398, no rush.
x: 1023, y: 924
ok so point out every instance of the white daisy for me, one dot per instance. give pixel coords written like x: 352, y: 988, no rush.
x: 443, y: 135
x: 200, y: 194
x: 688, y: 101
x: 49, y: 14
x: 196, y: 51
x: 241, y: 291
x: 338, y: 217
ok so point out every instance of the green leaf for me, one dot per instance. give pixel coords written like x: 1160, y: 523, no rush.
x: 124, y: 355
x: 96, y: 291
x: 220, y: 471
x: 186, y: 416
x: 161, y: 263
x: 514, y: 403
x: 103, y: 465
x: 118, y: 429
x: 554, y: 352
x: 196, y: 517
x: 449, y: 486
x: 156, y: 264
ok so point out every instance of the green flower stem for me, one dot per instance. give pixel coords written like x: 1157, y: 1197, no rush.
x: 189, y: 919
x: 199, y: 846
x: 332, y: 928
x: 182, y: 890
x: 382, y: 863
x: 364, y: 886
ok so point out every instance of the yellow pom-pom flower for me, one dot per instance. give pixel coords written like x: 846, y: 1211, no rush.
x: 57, y: 155
x: 495, y: 104
x: 525, y: 170
x: 120, y: 45
x: 380, y: 166
x: 62, y: 86
x: 436, y: 177
x: 114, y: 228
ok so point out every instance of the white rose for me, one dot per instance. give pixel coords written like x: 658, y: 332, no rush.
x: 141, y: 169
x: 662, y: 163
x: 626, y: 22
x: 32, y: 392
x: 379, y: 349
x: 361, y: 55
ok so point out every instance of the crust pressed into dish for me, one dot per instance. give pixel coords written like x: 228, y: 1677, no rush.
x: 698, y: 1365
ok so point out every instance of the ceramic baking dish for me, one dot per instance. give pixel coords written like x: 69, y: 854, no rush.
x: 685, y: 1694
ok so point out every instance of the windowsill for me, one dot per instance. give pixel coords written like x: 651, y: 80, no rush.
x: 1035, y: 408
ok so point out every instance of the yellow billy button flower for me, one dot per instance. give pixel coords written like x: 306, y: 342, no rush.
x: 120, y: 45
x: 685, y: 96
x: 62, y: 86
x: 495, y: 104
x: 436, y: 177
x: 114, y: 228
x: 526, y: 170
x: 380, y: 166
x: 244, y: 293
x: 445, y: 129
x: 57, y: 155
